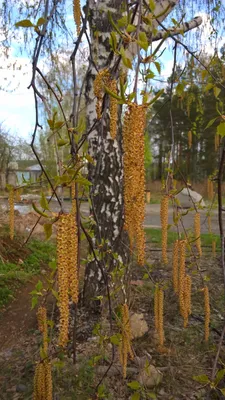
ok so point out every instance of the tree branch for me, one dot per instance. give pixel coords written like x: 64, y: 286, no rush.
x: 182, y: 28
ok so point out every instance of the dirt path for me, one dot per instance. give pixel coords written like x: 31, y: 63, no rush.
x: 18, y: 318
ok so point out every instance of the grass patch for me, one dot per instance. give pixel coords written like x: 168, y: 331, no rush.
x: 155, y: 236
x: 34, y: 257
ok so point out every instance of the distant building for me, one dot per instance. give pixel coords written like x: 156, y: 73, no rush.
x: 31, y: 173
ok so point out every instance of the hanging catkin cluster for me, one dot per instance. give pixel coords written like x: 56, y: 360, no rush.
x: 189, y: 139
x: 210, y: 189
x: 216, y: 141
x: 197, y: 226
x: 175, y: 266
x: 43, y: 381
x: 207, y: 312
x: 125, y: 345
x: 134, y: 176
x: 42, y: 326
x: 77, y: 14
x: 67, y: 248
x: 11, y: 213
x: 43, y: 370
x: 113, y: 109
x: 164, y: 224
x: 181, y: 281
x: 158, y: 314
x: 101, y: 80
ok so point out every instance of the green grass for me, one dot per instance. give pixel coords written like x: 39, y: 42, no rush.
x: 14, y: 274
x: 155, y: 236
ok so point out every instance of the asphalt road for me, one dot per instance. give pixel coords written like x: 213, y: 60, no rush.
x: 152, y: 217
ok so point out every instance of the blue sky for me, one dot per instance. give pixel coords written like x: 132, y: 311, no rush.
x: 17, y: 103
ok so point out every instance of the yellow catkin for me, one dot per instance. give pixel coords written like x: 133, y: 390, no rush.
x: 187, y: 299
x: 43, y: 381
x: 72, y: 244
x: 214, y: 248
x: 43, y: 327
x: 207, y: 312
x: 156, y: 308
x: 101, y: 79
x: 148, y: 197
x: 161, y: 325
x: 11, y: 213
x: 164, y: 225
x: 113, y: 109
x: 125, y: 348
x: 39, y: 382
x: 182, y: 251
x: 197, y: 226
x: 48, y: 381
x: 175, y: 266
x: 210, y: 191
x: 216, y: 141
x: 63, y: 279
x: 77, y: 14
x: 189, y: 139
x: 134, y: 177
x: 209, y: 223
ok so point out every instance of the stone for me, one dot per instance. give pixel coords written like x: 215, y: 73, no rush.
x: 187, y: 196
x: 21, y: 388
x: 149, y: 376
x: 138, y: 325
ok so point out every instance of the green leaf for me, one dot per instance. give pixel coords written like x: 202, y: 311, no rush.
x: 152, y: 5
x: 143, y: 41
x: 83, y: 181
x: 180, y: 89
x: 156, y: 96
x: 39, y: 286
x: 55, y: 294
x: 113, y: 41
x: 41, y: 21
x: 115, y: 339
x: 112, y: 93
x: 34, y: 302
x: 145, y: 276
x: 122, y: 22
x: 43, y: 202
x: 211, y: 122
x: 208, y: 87
x: 51, y: 123
x: 151, y: 395
x: 219, y: 376
x: 221, y: 129
x: 130, y: 28
x: 59, y: 124
x: 216, y: 91
x: 113, y: 23
x: 53, y: 265
x: 135, y: 396
x: 62, y: 142
x: 48, y: 230
x: 39, y: 211
x: 158, y: 66
x: 135, y: 385
x: 201, y: 378
x: 25, y: 23
x: 223, y: 391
